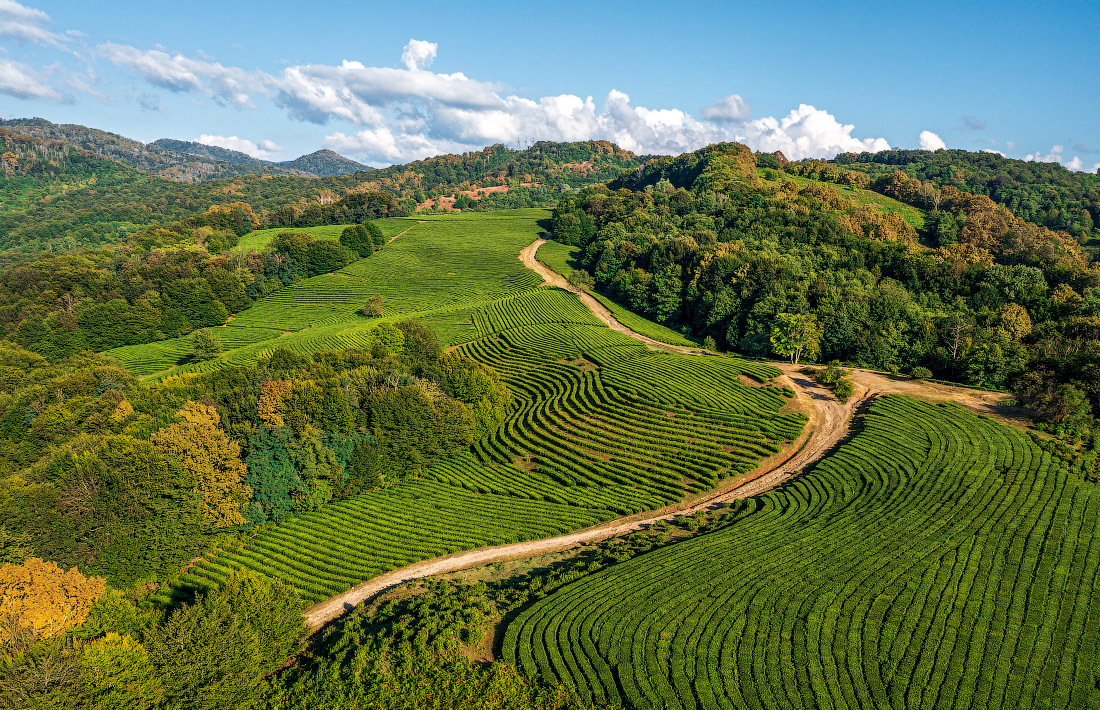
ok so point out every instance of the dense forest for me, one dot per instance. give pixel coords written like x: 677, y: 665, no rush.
x: 732, y: 246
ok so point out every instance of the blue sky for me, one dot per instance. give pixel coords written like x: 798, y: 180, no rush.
x: 391, y: 82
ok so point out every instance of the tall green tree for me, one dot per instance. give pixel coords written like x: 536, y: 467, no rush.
x: 795, y: 335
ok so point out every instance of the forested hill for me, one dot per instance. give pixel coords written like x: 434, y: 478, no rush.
x: 163, y: 158
x: 56, y: 195
x: 1044, y: 193
x: 890, y: 273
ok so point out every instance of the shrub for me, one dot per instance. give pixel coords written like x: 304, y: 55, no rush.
x: 920, y: 373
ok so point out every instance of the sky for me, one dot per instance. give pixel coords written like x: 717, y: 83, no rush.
x: 387, y: 83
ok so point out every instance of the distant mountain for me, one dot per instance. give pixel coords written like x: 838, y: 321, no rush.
x: 325, y: 163
x: 209, y: 152
x: 181, y: 161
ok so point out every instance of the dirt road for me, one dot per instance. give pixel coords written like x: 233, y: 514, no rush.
x: 828, y: 424
x: 527, y: 256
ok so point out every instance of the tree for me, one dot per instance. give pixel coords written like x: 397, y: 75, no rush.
x: 374, y: 307
x: 117, y: 673
x: 215, y: 653
x: 358, y: 238
x: 420, y: 342
x: 41, y: 596
x: 212, y: 458
x: 795, y: 335
x: 205, y: 345
x: 390, y: 337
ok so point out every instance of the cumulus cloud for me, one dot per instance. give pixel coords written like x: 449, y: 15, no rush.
x: 24, y: 24
x: 1057, y: 155
x: 993, y: 150
x: 263, y: 150
x: 357, y: 93
x: 418, y: 54
x: 409, y: 112
x: 180, y: 74
x: 731, y: 109
x: 930, y: 141
x: 22, y: 82
x: 807, y: 132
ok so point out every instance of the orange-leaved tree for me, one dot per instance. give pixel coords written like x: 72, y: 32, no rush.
x: 39, y: 595
x: 212, y: 458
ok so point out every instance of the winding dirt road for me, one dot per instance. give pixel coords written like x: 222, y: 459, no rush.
x: 828, y: 422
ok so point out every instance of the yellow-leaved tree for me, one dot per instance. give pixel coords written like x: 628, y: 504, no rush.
x: 212, y: 458
x: 39, y: 595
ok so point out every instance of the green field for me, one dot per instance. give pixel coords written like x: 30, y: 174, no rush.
x: 560, y: 257
x: 937, y: 560
x: 603, y: 425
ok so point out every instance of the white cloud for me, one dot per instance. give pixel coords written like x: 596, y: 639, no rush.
x: 807, y: 132
x: 418, y: 54
x: 1056, y: 156
x: 731, y: 109
x: 263, y: 150
x: 930, y: 141
x: 357, y: 93
x: 22, y: 82
x: 412, y: 112
x: 992, y: 150
x: 24, y: 24
x: 177, y: 73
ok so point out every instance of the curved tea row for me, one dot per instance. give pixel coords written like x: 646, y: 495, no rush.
x: 937, y: 560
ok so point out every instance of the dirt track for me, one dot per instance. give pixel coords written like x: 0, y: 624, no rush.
x: 828, y: 424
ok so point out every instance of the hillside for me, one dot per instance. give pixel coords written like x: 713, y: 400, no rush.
x: 890, y: 273
x: 162, y: 158
x: 57, y: 196
x: 1046, y: 194
x: 324, y: 163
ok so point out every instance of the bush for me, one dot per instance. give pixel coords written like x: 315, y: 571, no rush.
x: 920, y: 373
x: 844, y: 389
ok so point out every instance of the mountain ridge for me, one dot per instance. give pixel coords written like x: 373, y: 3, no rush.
x: 181, y: 161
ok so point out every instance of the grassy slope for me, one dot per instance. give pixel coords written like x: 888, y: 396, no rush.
x: 560, y: 258
x: 888, y: 205
x: 937, y: 560
x: 602, y: 424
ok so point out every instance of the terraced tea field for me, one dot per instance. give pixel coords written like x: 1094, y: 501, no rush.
x: 440, y: 271
x: 603, y: 425
x: 937, y: 560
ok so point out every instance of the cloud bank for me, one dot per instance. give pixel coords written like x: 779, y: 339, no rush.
x: 406, y: 112
x: 1057, y: 155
